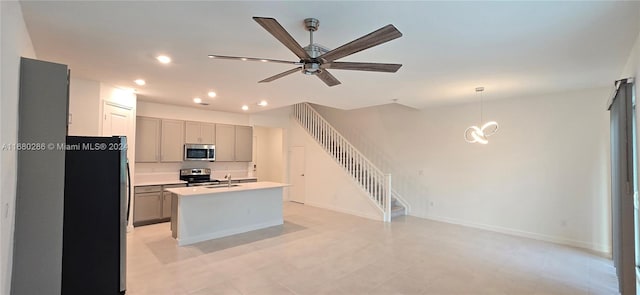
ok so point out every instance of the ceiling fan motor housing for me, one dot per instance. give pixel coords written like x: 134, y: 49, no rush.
x: 311, y: 68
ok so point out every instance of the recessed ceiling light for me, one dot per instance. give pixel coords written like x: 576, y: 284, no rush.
x: 197, y: 100
x: 243, y: 58
x: 164, y: 59
x: 211, y: 56
x: 211, y: 94
x: 262, y: 103
x: 264, y: 60
x: 140, y: 82
x: 245, y: 107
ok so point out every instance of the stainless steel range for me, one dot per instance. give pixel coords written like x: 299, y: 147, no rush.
x: 197, y: 177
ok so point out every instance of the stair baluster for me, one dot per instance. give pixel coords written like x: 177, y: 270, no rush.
x: 370, y: 178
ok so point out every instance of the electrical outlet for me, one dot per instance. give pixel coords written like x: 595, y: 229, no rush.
x: 420, y: 172
x: 5, y: 212
x: 431, y: 204
x: 563, y: 223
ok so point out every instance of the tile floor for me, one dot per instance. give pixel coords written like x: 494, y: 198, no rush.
x: 319, y: 251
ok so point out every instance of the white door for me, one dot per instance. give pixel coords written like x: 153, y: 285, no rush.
x: 116, y: 121
x: 297, y: 190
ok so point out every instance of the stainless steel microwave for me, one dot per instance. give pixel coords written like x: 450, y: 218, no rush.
x: 199, y: 152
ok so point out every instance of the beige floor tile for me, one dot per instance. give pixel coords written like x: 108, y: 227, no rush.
x: 219, y: 289
x: 319, y: 251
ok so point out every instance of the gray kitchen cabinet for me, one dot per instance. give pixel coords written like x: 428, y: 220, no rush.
x: 166, y: 199
x: 147, y: 139
x: 152, y: 204
x: 172, y: 141
x: 198, y: 132
x: 147, y: 207
x: 166, y: 205
x: 225, y: 142
x: 244, y: 144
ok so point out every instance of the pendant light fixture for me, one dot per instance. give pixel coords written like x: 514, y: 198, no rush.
x: 477, y: 134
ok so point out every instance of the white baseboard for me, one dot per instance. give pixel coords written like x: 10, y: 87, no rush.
x: 604, y: 250
x: 227, y: 232
x: 347, y: 211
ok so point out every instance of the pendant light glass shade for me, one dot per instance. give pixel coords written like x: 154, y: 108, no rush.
x: 477, y: 134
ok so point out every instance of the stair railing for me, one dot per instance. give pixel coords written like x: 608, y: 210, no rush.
x: 371, y: 179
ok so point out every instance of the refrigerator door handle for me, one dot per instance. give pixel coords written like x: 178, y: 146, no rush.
x: 128, y: 192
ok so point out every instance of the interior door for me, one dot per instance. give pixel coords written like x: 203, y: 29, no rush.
x: 116, y: 121
x: 297, y: 191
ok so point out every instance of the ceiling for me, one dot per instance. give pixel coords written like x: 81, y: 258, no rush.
x: 513, y: 49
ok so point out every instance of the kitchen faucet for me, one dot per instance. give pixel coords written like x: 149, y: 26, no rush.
x: 228, y: 178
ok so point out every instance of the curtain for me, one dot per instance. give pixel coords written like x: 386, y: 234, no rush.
x: 622, y: 180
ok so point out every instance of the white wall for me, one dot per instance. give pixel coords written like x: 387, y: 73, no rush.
x: 279, y: 119
x: 544, y: 175
x: 272, y: 118
x: 327, y: 184
x: 84, y: 107
x: 269, y: 156
x: 15, y: 43
x: 150, y: 109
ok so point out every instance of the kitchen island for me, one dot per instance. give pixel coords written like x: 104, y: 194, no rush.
x: 208, y: 212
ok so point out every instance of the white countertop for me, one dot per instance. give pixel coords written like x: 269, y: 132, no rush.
x: 233, y: 178
x: 161, y: 180
x: 203, y: 190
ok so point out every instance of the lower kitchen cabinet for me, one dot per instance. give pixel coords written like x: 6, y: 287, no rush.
x: 148, y: 206
x: 166, y: 205
x: 152, y: 204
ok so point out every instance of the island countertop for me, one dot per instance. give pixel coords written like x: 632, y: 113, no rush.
x: 221, y: 188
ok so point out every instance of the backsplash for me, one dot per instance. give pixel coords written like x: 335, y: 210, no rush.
x: 171, y: 170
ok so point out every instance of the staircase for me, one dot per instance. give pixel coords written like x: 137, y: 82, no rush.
x: 369, y: 178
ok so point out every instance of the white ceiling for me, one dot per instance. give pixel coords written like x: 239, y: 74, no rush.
x: 448, y: 48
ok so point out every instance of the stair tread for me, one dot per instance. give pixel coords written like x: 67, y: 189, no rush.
x: 397, y: 208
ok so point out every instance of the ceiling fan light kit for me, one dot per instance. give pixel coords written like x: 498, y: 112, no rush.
x: 316, y: 59
x: 475, y: 134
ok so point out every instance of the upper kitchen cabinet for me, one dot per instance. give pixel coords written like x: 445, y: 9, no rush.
x: 225, y: 142
x: 244, y: 144
x: 147, y: 139
x: 172, y: 141
x: 197, y: 132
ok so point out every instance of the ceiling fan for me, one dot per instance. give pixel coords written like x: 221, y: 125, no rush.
x: 316, y: 59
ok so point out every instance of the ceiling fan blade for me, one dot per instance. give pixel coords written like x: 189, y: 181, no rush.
x: 327, y: 78
x: 278, y: 76
x: 363, y: 66
x: 382, y: 35
x: 214, y: 56
x: 272, y: 26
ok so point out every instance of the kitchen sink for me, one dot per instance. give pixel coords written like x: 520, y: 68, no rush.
x: 222, y: 185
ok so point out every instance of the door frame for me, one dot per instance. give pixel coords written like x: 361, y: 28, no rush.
x: 292, y: 172
x: 131, y: 140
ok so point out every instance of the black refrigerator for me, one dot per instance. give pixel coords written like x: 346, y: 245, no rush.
x: 96, y: 205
